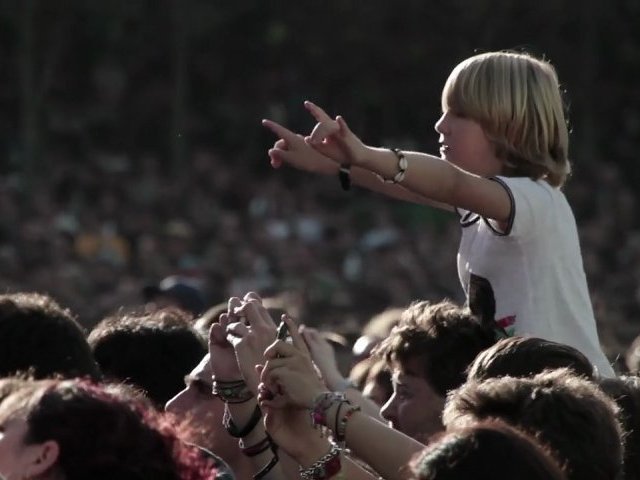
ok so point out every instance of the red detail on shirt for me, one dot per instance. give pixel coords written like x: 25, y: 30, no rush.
x: 506, y: 321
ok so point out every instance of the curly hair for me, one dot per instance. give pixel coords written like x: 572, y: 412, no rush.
x: 151, y: 351
x: 527, y: 356
x: 489, y: 450
x: 443, y: 338
x: 563, y: 411
x: 40, y: 337
x: 104, y: 432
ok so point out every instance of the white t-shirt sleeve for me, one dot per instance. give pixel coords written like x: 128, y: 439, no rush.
x: 530, y: 202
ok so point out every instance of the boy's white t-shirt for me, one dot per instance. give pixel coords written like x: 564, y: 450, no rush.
x: 532, y: 272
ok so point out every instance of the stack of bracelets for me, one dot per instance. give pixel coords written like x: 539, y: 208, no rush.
x: 238, y: 392
x: 329, y: 465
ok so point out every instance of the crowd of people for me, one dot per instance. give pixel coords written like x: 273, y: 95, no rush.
x: 438, y: 396
x: 508, y: 381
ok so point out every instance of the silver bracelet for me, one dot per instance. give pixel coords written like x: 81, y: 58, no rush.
x: 326, y: 467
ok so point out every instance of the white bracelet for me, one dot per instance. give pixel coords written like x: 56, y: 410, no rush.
x: 402, y: 167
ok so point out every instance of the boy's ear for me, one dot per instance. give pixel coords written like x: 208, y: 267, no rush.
x: 43, y: 457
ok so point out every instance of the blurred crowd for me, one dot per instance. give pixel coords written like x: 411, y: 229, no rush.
x: 98, y: 223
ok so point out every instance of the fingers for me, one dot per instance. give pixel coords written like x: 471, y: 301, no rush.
x: 296, y: 338
x: 280, y: 348
x: 237, y: 329
x: 342, y: 125
x: 252, y: 296
x: 318, y: 113
x: 217, y: 334
x: 321, y: 131
x: 256, y: 314
x: 282, y: 132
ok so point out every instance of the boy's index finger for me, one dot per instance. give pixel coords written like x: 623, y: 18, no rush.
x: 280, y: 131
x: 318, y: 113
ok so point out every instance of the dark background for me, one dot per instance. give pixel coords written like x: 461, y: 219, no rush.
x: 131, y: 146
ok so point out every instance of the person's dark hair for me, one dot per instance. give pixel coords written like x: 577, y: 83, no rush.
x: 625, y: 391
x: 567, y: 413
x: 442, y: 338
x: 153, y: 352
x: 527, y: 356
x: 104, y: 433
x: 40, y: 337
x: 489, y: 450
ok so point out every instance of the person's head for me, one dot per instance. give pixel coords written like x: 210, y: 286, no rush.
x: 75, y: 430
x: 376, y: 329
x: 527, y: 356
x: 567, y: 413
x: 509, y: 107
x: 39, y: 336
x: 373, y: 378
x: 428, y: 354
x: 197, y: 407
x: 153, y: 352
x: 489, y: 450
x: 175, y: 291
x: 625, y: 391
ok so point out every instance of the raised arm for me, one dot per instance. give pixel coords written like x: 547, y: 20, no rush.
x: 425, y: 175
x: 292, y: 150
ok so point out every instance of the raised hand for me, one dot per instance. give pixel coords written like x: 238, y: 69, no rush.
x: 224, y: 365
x: 290, y: 374
x: 323, y: 355
x: 250, y: 334
x: 333, y: 138
x: 291, y: 149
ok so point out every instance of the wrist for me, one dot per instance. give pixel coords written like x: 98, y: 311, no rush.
x: 333, y: 380
x: 310, y: 449
x: 366, y: 157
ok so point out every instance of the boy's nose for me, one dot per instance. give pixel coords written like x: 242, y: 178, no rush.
x: 441, y: 125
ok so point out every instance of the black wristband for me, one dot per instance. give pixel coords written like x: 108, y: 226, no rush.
x: 269, y: 466
x: 236, y: 432
x: 344, y: 175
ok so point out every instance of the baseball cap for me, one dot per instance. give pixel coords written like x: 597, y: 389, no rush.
x: 184, y: 291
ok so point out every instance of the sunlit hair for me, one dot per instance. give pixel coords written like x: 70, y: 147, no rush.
x: 516, y: 99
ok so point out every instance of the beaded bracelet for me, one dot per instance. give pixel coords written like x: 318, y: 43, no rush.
x: 326, y: 467
x: 321, y: 404
x: 402, y: 167
x: 341, y: 429
x: 232, y: 392
x: 236, y: 432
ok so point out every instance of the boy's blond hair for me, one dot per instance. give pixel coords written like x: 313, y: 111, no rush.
x: 516, y: 99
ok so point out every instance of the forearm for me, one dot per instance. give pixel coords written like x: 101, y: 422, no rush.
x: 388, y: 455
x: 427, y: 176
x: 369, y: 180
x: 241, y: 415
